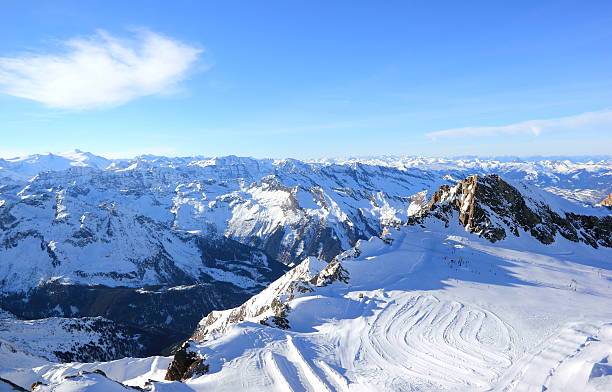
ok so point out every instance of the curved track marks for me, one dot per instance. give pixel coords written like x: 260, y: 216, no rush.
x: 563, y: 363
x: 441, y: 342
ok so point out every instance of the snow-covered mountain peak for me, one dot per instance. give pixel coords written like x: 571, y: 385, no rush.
x: 493, y: 208
x: 26, y: 167
x: 82, y: 158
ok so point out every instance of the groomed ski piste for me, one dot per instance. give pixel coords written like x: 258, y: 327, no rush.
x: 426, y: 309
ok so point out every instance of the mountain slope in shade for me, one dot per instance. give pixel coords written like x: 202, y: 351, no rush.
x: 8, y: 386
x: 88, y: 339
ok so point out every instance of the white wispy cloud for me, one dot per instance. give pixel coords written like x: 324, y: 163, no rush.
x: 591, y: 121
x: 99, y: 71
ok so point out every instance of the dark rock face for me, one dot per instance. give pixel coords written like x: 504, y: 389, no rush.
x: 331, y: 273
x: 279, y: 319
x: 490, y: 207
x: 185, y: 365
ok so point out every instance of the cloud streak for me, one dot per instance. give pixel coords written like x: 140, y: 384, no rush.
x: 591, y: 121
x: 99, y: 71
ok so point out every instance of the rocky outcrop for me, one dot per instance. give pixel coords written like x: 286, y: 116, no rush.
x: 607, y: 202
x: 492, y: 208
x: 185, y: 365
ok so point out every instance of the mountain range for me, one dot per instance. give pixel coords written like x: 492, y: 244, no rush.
x: 304, y: 274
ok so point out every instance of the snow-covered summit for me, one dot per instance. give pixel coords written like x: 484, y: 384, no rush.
x: 494, y: 209
x: 26, y: 167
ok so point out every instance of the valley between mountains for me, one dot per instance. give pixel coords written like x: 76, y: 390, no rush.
x: 369, y: 274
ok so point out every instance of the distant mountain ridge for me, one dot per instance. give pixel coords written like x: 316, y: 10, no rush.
x: 577, y: 178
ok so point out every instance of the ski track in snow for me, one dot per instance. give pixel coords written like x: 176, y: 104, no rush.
x: 447, y: 345
x: 293, y: 372
x: 562, y: 362
x: 378, y: 333
x: 443, y: 342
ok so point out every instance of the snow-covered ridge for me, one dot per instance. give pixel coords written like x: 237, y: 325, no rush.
x: 23, y: 168
x: 486, y: 206
x: 494, y: 209
x: 431, y: 310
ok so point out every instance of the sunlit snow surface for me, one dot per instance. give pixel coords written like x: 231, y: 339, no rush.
x: 439, y: 309
x: 432, y: 311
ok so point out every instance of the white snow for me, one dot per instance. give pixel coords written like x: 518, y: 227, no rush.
x: 438, y: 309
x: 431, y: 312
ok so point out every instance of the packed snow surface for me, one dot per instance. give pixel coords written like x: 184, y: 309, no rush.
x: 434, y: 310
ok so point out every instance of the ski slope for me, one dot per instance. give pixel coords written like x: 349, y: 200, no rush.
x: 437, y: 309
x: 434, y: 312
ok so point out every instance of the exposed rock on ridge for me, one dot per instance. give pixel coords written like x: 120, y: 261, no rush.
x: 490, y: 207
x: 186, y: 364
x: 606, y: 202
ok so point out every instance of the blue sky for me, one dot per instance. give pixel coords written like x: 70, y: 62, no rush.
x: 306, y: 79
